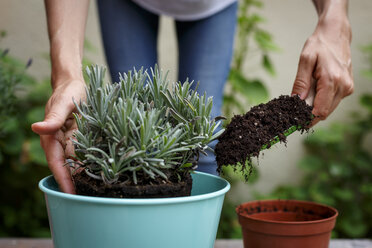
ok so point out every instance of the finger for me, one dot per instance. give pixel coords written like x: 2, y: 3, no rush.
x: 336, y: 101
x: 304, y: 75
x: 56, y: 117
x: 69, y: 151
x: 70, y: 122
x: 324, y: 98
x: 311, y: 94
x: 54, y: 153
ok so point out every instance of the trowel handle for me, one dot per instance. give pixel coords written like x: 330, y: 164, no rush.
x: 310, y: 97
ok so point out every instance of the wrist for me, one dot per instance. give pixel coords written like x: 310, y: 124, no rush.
x: 66, y: 72
x: 61, y: 78
x: 333, y: 17
x: 338, y: 27
x: 65, y: 75
x: 66, y: 64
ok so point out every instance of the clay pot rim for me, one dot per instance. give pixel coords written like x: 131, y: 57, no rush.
x: 334, y: 216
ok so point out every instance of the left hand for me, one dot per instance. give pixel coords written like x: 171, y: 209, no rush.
x: 58, y: 127
x: 326, y: 61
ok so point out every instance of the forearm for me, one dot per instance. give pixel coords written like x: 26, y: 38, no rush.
x: 66, y: 27
x: 333, y: 15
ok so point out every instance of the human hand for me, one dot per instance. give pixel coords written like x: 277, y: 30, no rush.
x: 326, y: 61
x: 57, y: 128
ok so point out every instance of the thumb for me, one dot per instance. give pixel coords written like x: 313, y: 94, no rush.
x: 303, y: 81
x: 55, y: 118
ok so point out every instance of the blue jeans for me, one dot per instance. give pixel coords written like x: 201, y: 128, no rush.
x: 205, y: 46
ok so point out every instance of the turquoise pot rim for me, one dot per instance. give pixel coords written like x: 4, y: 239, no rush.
x: 119, y: 201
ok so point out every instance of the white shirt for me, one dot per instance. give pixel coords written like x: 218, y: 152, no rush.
x: 184, y: 10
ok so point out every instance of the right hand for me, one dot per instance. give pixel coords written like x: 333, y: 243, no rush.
x: 57, y: 128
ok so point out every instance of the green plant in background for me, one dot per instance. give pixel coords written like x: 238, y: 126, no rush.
x: 22, y: 163
x: 139, y: 129
x: 22, y: 160
x: 11, y: 76
x: 338, y: 170
x: 252, y: 41
x: 229, y: 227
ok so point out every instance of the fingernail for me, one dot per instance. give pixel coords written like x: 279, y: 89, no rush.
x: 296, y: 95
x: 39, y: 123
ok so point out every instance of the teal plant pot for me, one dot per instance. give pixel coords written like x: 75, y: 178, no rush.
x: 86, y: 222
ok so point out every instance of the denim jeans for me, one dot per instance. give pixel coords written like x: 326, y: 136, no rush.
x: 205, y: 47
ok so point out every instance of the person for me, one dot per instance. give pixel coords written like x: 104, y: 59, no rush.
x: 205, y: 31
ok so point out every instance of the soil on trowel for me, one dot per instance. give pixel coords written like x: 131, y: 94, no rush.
x: 246, y: 134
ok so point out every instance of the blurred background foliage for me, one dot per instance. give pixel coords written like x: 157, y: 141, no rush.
x: 22, y: 161
x: 252, y: 40
x: 243, y: 91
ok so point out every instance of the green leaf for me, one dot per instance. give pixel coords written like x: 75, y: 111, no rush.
x: 366, y: 188
x: 36, y: 153
x: 343, y: 194
x: 35, y: 115
x: 14, y: 145
x: 39, y: 93
x: 353, y: 224
x: 253, y: 90
x: 319, y: 194
x: 88, y: 46
x: 186, y: 165
x: 326, y: 136
x: 366, y: 101
x: 254, y: 176
x: 10, y: 125
x: 264, y: 40
x: 231, y: 102
x: 268, y: 65
x: 367, y: 73
x: 339, y: 169
x: 250, y: 21
x: 13, y: 141
x: 311, y: 163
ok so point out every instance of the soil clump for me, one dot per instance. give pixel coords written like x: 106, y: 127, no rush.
x: 246, y: 134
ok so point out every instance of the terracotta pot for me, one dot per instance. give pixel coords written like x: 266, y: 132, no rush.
x: 286, y: 224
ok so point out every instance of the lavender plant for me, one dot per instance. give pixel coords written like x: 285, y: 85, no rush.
x: 140, y: 128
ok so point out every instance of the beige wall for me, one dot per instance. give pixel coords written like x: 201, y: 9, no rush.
x: 290, y: 21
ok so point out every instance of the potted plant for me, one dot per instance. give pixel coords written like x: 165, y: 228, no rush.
x: 138, y: 142
x: 286, y: 223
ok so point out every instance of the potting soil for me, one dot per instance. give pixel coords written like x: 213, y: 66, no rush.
x: 158, y: 188
x: 246, y: 134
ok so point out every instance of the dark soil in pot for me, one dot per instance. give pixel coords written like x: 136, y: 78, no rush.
x: 285, y: 210
x: 86, y: 185
x: 246, y: 134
